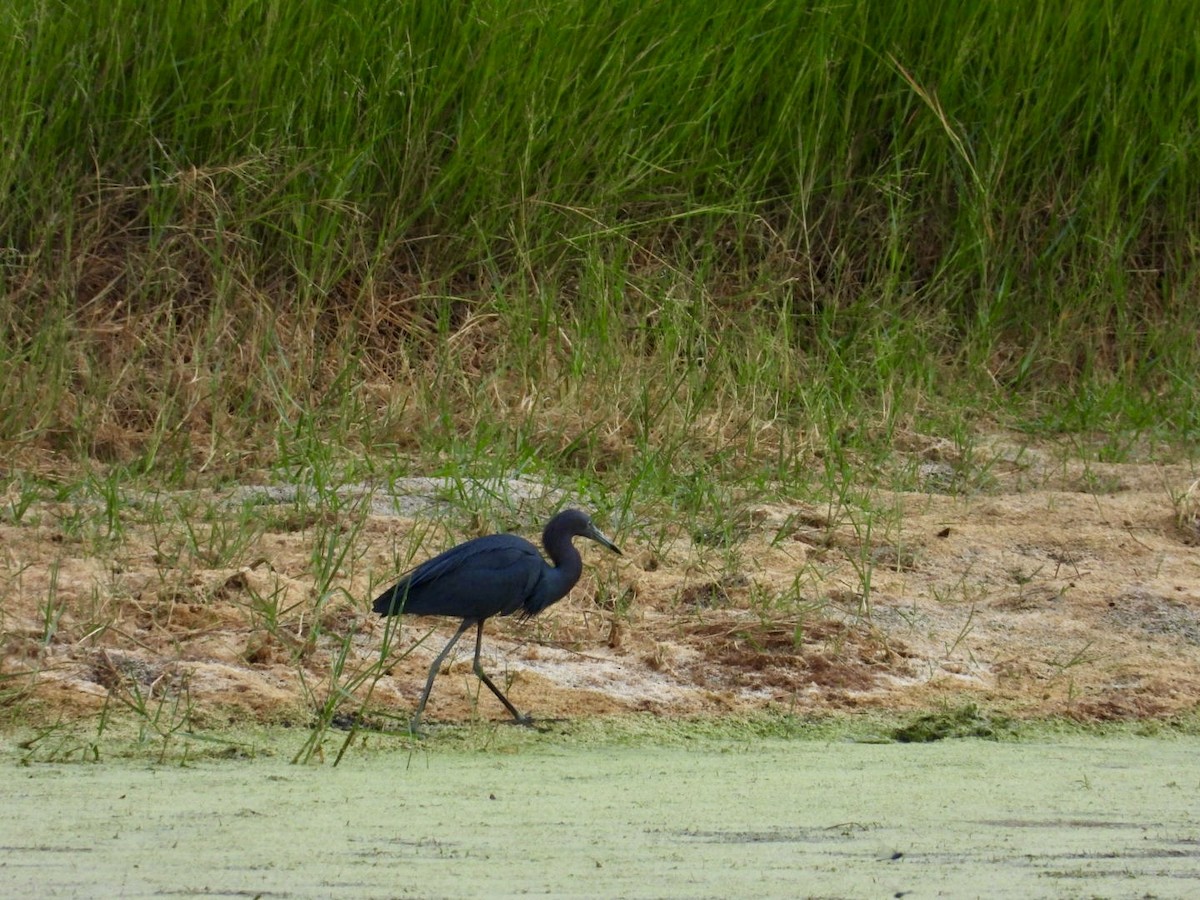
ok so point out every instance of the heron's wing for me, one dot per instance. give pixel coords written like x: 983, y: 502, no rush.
x: 485, y: 577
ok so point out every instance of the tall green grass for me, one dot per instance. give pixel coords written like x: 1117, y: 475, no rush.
x: 574, y: 232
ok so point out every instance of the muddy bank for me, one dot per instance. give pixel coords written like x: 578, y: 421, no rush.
x: 1021, y: 579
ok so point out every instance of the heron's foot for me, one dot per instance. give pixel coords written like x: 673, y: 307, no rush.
x: 525, y: 721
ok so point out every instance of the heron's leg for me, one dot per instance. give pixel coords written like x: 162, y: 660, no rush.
x: 521, y: 720
x: 433, y: 670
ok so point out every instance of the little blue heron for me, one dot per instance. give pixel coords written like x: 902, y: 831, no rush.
x: 494, y: 575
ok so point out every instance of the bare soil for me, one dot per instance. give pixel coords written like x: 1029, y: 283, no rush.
x: 1026, y: 582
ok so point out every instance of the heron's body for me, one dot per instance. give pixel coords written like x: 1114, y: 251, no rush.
x: 496, y: 575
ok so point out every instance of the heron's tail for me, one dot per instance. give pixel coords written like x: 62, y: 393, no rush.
x: 391, y: 601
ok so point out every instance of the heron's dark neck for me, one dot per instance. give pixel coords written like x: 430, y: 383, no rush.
x: 568, y: 565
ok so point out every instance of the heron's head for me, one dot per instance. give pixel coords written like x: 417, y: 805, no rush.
x: 576, y: 522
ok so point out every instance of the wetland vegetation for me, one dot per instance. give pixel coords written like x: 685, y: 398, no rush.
x: 720, y: 273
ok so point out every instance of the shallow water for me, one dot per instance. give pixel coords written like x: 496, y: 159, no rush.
x: 1073, y: 817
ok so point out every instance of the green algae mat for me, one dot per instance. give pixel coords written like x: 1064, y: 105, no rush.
x: 1074, y: 816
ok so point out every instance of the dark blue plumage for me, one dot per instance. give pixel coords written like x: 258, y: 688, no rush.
x: 495, y: 575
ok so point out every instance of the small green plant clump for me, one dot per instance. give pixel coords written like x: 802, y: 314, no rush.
x: 962, y: 721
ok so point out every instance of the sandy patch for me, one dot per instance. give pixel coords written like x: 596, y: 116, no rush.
x: 1048, y: 587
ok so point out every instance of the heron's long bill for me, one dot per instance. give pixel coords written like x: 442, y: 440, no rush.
x: 601, y: 538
